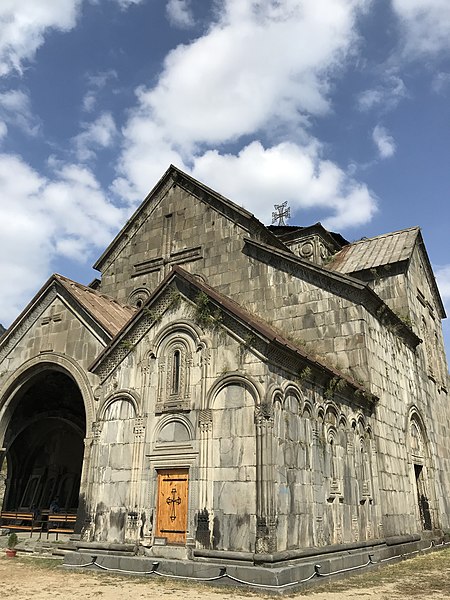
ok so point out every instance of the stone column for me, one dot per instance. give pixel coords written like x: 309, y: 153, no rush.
x: 318, y: 476
x: 88, y: 531
x: 205, y: 515
x: 84, y: 495
x: 135, y: 508
x: 266, y: 525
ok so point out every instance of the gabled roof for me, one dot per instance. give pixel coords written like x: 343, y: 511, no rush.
x: 223, y: 205
x: 104, y: 309
x: 105, y: 314
x: 375, y: 252
x: 191, y: 286
x: 387, y: 249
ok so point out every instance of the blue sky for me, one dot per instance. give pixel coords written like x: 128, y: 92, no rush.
x: 340, y: 107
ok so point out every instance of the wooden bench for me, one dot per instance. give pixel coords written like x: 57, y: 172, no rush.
x: 61, y: 523
x: 20, y: 520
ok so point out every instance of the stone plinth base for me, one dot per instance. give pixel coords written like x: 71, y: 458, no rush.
x: 280, y: 572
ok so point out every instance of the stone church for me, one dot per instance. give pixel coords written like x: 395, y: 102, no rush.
x: 232, y: 388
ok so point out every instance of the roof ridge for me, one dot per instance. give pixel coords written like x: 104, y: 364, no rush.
x: 86, y: 288
x: 382, y: 235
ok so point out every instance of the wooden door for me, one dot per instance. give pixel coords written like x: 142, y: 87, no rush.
x: 172, y: 508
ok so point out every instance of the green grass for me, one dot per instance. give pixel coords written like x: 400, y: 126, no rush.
x: 419, y: 577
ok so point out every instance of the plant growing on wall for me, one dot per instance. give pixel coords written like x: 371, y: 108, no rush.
x: 304, y: 374
x: 336, y: 384
x: 205, y: 314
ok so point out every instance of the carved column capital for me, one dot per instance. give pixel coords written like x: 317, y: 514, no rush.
x: 264, y: 414
x: 97, y: 427
x: 139, y: 427
x: 205, y: 420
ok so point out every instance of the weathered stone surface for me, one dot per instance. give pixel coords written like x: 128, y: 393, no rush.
x: 283, y: 405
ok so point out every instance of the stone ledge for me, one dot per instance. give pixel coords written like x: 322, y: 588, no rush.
x: 291, y: 571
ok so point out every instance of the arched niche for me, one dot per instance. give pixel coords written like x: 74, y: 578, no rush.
x: 233, y: 382
x: 117, y: 422
x: 118, y: 408
x: 173, y: 432
x: 233, y: 408
x: 234, y: 457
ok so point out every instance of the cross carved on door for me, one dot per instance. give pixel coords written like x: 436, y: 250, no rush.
x: 172, y: 501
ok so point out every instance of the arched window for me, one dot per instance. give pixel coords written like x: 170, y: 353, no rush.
x: 176, y: 372
x: 174, y: 375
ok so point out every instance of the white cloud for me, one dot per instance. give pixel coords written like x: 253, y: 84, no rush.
x: 258, y: 178
x: 96, y: 135
x: 179, y: 13
x: 124, y: 4
x: 245, y: 75
x: 96, y: 83
x: 23, y: 24
x: 3, y: 130
x: 15, y: 109
x: 441, y: 82
x: 249, y: 70
x: 40, y: 217
x: 385, y: 96
x: 384, y: 142
x: 443, y: 279
x: 425, y: 25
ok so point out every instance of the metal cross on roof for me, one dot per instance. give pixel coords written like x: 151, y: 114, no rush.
x: 281, y: 212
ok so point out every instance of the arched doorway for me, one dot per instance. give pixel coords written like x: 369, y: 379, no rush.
x: 419, y: 456
x: 44, y: 443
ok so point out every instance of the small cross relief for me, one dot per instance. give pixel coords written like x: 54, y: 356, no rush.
x: 54, y: 316
x: 164, y: 263
x: 168, y: 256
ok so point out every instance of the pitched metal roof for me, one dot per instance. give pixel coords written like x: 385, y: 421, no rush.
x: 375, y: 252
x: 111, y: 315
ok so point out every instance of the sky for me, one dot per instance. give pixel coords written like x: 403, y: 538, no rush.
x: 340, y: 107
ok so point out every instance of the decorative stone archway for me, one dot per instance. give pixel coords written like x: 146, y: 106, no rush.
x: 420, y: 471
x: 43, y: 429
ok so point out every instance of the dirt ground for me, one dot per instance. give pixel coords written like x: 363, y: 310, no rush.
x: 26, y: 578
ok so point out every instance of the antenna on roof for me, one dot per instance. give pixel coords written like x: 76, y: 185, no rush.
x: 281, y: 212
